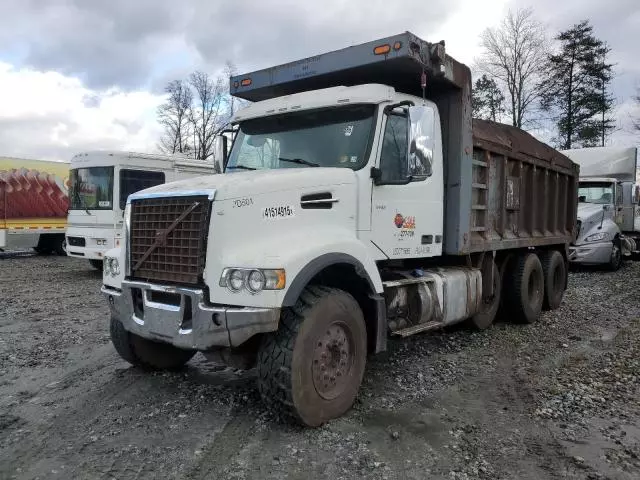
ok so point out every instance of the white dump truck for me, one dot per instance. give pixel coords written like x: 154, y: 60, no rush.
x: 608, y: 206
x: 100, y: 183
x: 359, y: 200
x: 33, y: 204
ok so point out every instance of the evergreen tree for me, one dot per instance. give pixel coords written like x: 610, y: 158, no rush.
x: 487, y: 99
x: 576, y: 88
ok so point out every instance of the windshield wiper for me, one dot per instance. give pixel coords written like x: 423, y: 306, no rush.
x: 83, y: 204
x: 242, y: 167
x: 299, y: 161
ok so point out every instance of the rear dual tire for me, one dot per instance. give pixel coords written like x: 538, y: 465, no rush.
x: 535, y: 283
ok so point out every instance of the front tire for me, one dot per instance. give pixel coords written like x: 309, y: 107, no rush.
x: 144, y: 353
x: 615, y: 261
x: 526, y: 289
x: 97, y: 264
x: 312, y: 367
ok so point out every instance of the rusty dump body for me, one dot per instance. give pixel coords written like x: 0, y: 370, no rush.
x: 523, y: 192
x: 503, y: 188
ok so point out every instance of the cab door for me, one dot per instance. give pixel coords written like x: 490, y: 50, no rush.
x: 407, y: 197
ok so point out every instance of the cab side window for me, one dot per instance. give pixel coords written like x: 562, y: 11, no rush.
x: 393, y: 157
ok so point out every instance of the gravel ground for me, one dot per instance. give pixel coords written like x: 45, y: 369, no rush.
x: 558, y: 399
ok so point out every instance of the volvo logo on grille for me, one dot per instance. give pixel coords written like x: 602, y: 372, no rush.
x: 161, y: 237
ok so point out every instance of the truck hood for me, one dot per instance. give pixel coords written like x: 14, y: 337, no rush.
x: 243, y: 183
x: 588, y: 210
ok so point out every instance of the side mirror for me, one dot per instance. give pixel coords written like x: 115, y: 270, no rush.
x: 219, y: 153
x: 422, y: 130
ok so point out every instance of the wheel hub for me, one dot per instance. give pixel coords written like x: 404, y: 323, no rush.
x: 332, y: 361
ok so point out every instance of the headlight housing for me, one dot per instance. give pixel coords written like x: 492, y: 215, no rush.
x: 111, y: 266
x: 253, y: 280
x: 597, y: 237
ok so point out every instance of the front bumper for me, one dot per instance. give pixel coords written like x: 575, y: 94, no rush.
x: 181, y: 316
x: 591, y: 253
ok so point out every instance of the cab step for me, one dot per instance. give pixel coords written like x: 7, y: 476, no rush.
x: 421, y: 327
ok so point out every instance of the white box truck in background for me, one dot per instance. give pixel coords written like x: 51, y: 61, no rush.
x: 608, y: 211
x: 33, y: 204
x: 101, y: 181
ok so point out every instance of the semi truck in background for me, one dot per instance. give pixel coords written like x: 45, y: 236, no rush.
x: 101, y: 181
x: 608, y: 206
x: 359, y: 200
x: 33, y: 204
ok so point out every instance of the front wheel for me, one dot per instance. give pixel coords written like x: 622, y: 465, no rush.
x: 615, y: 261
x: 312, y: 367
x: 144, y: 353
x: 97, y: 264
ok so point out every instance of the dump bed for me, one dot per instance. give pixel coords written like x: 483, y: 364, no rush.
x: 522, y: 193
x: 33, y: 195
x: 503, y: 188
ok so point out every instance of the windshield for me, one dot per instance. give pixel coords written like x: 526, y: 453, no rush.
x: 91, y: 188
x: 601, y: 193
x: 330, y: 137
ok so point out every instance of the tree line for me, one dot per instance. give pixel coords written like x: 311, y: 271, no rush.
x: 524, y: 78
x: 196, y: 109
x: 529, y: 80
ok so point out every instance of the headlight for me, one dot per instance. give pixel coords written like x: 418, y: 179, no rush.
x: 256, y: 281
x: 253, y: 279
x: 111, y: 266
x: 236, y: 280
x: 597, y: 237
x: 114, y: 267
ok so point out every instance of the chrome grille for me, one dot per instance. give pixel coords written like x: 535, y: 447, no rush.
x: 168, y: 239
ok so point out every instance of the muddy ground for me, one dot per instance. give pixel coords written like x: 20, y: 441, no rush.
x: 559, y: 399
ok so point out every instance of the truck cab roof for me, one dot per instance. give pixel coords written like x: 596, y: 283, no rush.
x: 599, y: 179
x: 326, y: 97
x: 107, y: 158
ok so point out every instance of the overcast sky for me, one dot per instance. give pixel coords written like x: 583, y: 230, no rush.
x: 85, y: 74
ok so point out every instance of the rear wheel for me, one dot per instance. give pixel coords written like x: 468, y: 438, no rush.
x: 312, y: 367
x: 144, y: 353
x: 555, y: 278
x: 525, y: 288
x: 97, y: 264
x: 490, y: 303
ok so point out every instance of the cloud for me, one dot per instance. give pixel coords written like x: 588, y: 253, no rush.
x: 91, y: 72
x: 50, y: 115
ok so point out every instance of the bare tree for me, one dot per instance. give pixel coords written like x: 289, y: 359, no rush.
x: 196, y: 110
x: 174, y: 116
x: 208, y: 116
x: 514, y: 55
x: 636, y: 121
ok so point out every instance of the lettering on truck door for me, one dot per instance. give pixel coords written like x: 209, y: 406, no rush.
x: 406, y: 219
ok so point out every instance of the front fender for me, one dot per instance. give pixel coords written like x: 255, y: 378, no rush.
x: 608, y: 226
x: 302, y: 254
